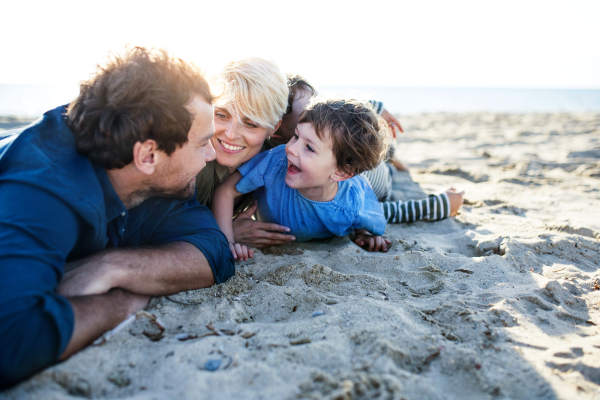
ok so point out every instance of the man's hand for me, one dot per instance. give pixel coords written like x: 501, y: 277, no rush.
x: 393, y: 123
x: 370, y: 242
x: 90, y: 275
x: 258, y: 234
x: 97, y: 314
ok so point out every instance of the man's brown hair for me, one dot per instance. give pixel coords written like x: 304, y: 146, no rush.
x: 360, y: 138
x: 136, y: 96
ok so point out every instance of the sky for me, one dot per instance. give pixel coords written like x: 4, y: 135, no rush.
x: 426, y: 43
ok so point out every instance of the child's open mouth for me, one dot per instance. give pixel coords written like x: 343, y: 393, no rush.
x: 292, y: 169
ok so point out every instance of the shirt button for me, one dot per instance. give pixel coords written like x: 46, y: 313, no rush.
x: 123, y: 214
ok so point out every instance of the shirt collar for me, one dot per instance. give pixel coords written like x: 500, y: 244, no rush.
x: 113, y: 204
x: 221, y: 171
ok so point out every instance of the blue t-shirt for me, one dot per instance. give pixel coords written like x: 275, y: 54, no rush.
x: 353, y: 207
x: 55, y: 207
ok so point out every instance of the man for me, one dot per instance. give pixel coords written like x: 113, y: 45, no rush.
x: 97, y: 209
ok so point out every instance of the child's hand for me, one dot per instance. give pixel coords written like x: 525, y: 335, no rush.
x: 456, y: 200
x: 393, y: 123
x: 370, y: 242
x: 240, y: 252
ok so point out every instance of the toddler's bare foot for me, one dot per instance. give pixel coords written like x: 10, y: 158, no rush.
x: 456, y: 200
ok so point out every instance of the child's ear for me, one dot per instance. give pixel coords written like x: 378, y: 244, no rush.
x: 340, y: 175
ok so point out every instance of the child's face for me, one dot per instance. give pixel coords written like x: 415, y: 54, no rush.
x: 311, y: 163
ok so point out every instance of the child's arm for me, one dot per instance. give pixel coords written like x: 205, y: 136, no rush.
x: 222, y: 209
x: 370, y: 242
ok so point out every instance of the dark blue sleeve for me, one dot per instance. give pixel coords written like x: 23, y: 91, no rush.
x: 37, y: 232
x: 193, y: 223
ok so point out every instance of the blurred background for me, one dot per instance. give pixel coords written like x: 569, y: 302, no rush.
x: 426, y: 56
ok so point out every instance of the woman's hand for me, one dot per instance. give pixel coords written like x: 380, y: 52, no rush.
x: 370, y: 242
x: 258, y: 234
x: 393, y: 123
x: 240, y: 252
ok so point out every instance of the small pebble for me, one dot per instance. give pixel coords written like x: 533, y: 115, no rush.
x: 212, y: 365
x: 182, y: 336
x: 237, y: 299
x: 317, y: 313
x: 299, y: 341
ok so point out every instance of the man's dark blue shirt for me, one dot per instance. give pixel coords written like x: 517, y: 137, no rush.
x: 56, y: 207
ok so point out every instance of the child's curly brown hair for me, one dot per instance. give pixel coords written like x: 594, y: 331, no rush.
x: 360, y: 137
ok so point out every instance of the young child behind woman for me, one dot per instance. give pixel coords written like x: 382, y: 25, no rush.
x: 311, y: 185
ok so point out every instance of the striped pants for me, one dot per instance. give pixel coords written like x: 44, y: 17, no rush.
x: 432, y: 208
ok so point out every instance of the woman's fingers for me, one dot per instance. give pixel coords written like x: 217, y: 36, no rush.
x: 269, y: 227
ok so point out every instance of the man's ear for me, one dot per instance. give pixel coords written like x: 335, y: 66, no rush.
x: 340, y: 175
x: 146, y: 156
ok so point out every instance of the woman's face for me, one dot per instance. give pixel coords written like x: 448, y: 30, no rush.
x: 235, y: 142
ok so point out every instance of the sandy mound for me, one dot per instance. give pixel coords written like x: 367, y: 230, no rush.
x: 502, y: 302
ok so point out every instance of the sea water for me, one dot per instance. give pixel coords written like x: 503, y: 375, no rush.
x: 34, y: 100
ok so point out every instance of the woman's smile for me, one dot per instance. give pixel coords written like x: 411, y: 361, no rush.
x: 229, y: 147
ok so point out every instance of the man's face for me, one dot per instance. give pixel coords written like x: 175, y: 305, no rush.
x: 177, y: 177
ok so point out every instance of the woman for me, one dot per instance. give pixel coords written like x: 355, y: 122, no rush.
x: 251, y: 96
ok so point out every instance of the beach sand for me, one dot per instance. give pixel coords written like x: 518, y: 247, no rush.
x: 501, y: 302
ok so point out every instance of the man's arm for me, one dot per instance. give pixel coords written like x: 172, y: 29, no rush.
x: 186, y: 250
x: 97, y: 314
x: 169, y: 269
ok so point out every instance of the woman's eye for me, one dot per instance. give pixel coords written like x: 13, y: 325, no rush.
x: 249, y: 125
x: 309, y: 148
x: 222, y: 116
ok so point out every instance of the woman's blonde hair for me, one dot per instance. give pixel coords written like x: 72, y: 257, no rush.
x: 252, y: 87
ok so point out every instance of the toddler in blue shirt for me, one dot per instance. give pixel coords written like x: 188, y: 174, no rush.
x: 311, y: 185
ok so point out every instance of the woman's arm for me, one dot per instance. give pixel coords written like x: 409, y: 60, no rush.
x: 222, y: 208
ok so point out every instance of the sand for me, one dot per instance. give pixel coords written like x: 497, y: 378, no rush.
x: 501, y: 302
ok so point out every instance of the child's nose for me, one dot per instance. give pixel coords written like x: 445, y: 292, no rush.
x: 290, y: 148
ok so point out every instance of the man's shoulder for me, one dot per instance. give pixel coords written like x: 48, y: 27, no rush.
x: 44, y: 156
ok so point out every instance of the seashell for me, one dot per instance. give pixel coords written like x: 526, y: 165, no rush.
x: 317, y: 313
